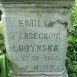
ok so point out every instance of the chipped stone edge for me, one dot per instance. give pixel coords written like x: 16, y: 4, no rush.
x: 21, y: 73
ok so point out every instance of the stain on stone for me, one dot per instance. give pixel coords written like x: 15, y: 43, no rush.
x: 63, y: 23
x: 64, y: 13
x: 67, y: 32
x: 65, y: 7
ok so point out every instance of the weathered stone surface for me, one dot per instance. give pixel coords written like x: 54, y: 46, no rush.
x: 36, y: 37
x: 38, y: 3
x: 36, y: 40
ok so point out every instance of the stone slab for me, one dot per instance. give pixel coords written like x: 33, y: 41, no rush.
x: 36, y: 41
x: 36, y: 37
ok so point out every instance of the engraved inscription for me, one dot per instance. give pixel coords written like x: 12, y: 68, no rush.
x: 38, y: 58
x: 39, y: 36
x: 36, y: 23
x: 51, y: 58
x: 36, y: 67
x: 46, y: 67
x: 35, y: 58
x: 39, y: 44
x: 38, y: 48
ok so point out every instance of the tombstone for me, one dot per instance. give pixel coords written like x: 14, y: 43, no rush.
x: 35, y: 33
